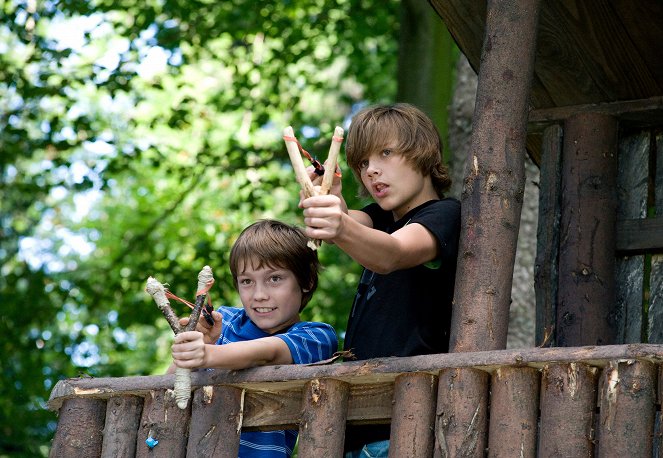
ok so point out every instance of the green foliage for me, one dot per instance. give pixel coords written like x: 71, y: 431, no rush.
x: 114, y: 168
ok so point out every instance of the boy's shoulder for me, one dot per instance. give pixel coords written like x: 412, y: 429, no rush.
x: 231, y: 312
x: 312, y: 325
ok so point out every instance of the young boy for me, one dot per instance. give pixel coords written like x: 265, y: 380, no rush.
x: 407, y: 242
x: 275, y: 274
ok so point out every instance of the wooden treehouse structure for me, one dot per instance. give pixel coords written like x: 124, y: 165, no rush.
x: 579, y: 85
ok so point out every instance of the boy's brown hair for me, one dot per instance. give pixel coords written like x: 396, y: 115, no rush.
x: 416, y: 136
x: 277, y: 245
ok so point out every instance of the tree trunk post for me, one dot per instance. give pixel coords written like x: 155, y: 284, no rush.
x: 494, y: 186
x: 568, y: 398
x: 164, y: 422
x: 216, y: 414
x: 122, y: 422
x: 324, y: 413
x: 413, y: 415
x: 461, y: 418
x: 80, y: 428
x: 514, y: 411
x: 585, y: 311
x: 628, y: 409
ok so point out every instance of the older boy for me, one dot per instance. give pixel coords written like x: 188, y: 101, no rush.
x: 407, y: 242
x: 276, y: 275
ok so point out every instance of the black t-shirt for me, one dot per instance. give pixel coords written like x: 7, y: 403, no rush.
x: 406, y: 312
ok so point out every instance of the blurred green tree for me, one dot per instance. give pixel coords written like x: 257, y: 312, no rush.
x: 138, y: 138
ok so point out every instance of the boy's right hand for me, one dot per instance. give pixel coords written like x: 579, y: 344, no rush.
x: 323, y: 216
x: 188, y: 350
x: 211, y: 334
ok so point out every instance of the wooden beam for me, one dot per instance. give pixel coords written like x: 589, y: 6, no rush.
x: 639, y: 112
x: 640, y: 235
x: 360, y: 374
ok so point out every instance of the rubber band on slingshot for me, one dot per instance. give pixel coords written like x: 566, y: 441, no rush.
x: 319, y: 168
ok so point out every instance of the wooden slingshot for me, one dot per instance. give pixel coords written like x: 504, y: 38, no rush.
x: 182, y: 389
x: 303, y: 179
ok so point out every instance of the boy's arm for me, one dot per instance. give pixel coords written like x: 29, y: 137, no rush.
x: 378, y: 251
x: 190, y: 351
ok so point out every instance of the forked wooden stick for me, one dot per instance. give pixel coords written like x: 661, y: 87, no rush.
x: 332, y: 161
x: 298, y: 163
x: 182, y: 386
x: 300, y: 169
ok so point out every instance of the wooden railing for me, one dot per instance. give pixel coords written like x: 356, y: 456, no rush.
x: 586, y: 401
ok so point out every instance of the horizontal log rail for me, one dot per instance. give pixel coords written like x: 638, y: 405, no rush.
x: 378, y: 372
x: 417, y: 395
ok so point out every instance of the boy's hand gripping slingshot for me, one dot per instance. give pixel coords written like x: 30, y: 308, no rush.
x: 294, y: 147
x: 160, y: 296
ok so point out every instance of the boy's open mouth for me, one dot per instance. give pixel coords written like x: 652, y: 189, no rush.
x: 380, y: 189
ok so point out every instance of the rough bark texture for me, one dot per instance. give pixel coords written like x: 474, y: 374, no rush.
x: 628, y: 408
x: 523, y: 305
x: 461, y: 420
x: 413, y: 415
x: 324, y: 410
x: 586, y: 307
x: 218, y: 422
x: 514, y: 409
x: 568, y: 400
x: 122, y: 420
x: 163, y: 421
x: 80, y: 428
x: 494, y: 186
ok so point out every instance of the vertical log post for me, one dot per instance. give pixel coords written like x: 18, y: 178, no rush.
x: 490, y: 212
x: 324, y: 413
x: 122, y: 423
x: 413, y: 416
x: 462, y: 413
x: 585, y: 312
x: 514, y: 410
x: 568, y: 397
x: 80, y: 428
x: 547, y: 236
x: 495, y: 182
x: 164, y: 422
x: 628, y: 408
x: 216, y: 425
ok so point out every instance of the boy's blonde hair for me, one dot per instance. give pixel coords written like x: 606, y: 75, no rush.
x: 277, y: 245
x: 415, y: 134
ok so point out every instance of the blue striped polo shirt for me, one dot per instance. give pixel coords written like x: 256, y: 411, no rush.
x: 308, y: 341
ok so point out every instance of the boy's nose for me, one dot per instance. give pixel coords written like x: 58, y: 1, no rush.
x: 372, y: 168
x: 260, y: 293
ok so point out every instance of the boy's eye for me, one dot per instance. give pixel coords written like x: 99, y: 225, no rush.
x: 275, y: 278
x: 363, y: 164
x: 387, y: 152
x: 244, y: 281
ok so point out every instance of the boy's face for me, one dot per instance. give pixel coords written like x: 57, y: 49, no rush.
x: 271, y: 296
x: 393, y: 182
